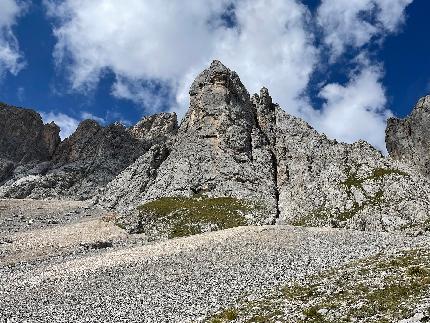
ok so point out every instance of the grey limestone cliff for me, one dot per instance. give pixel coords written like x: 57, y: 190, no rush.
x: 230, y: 148
x: 24, y: 139
x: 231, y: 144
x: 219, y: 150
x: 408, y: 139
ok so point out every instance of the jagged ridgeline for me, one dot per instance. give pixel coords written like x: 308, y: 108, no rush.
x: 234, y: 160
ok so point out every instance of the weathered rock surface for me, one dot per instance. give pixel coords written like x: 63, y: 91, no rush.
x: 125, y: 192
x: 24, y: 139
x: 408, y: 139
x: 219, y: 150
x: 23, y: 136
x: 323, y: 182
x: 89, y: 159
x: 230, y: 144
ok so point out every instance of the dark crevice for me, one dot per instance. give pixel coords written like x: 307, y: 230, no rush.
x: 274, y: 161
x: 275, y: 175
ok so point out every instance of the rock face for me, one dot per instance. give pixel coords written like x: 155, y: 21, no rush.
x: 408, y: 139
x: 323, y: 182
x: 89, y: 159
x: 219, y: 150
x: 230, y: 144
x: 24, y: 139
x: 23, y: 136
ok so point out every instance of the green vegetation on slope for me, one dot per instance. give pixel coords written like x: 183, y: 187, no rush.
x: 183, y: 216
x: 353, y: 180
x: 376, y: 289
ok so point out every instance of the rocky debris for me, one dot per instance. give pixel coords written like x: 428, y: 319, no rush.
x: 408, y: 139
x: 188, y: 279
x: 389, y: 287
x: 89, y: 159
x: 26, y: 215
x: 34, y: 231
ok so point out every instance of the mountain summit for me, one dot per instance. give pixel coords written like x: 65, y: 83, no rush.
x: 233, y: 152
x: 233, y: 145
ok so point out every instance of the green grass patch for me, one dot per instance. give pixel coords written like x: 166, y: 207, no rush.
x: 184, y: 216
x: 353, y: 180
x: 227, y: 315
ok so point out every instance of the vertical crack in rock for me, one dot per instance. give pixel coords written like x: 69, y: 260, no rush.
x: 265, y: 120
x: 275, y: 175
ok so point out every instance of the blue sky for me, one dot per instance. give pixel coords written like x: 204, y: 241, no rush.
x: 344, y: 66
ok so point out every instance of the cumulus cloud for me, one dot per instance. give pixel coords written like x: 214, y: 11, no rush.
x: 167, y: 43
x: 355, y: 23
x: 135, y: 39
x: 152, y: 94
x: 66, y: 123
x: 11, y: 59
x: 89, y: 115
x: 356, y: 110
x: 156, y: 48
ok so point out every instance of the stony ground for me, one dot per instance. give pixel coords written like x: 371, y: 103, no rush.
x: 85, y: 269
x: 27, y: 214
x: 390, y: 287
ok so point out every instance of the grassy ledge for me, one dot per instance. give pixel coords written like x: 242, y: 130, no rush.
x: 174, y: 217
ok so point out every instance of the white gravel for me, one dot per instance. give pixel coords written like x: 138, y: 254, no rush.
x: 181, y: 280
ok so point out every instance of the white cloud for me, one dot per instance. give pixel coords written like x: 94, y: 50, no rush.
x: 271, y: 47
x: 167, y: 43
x: 356, y: 110
x: 66, y: 123
x: 136, y: 39
x: 151, y: 94
x: 89, y: 115
x: 10, y: 57
x: 156, y: 48
x: 356, y: 22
